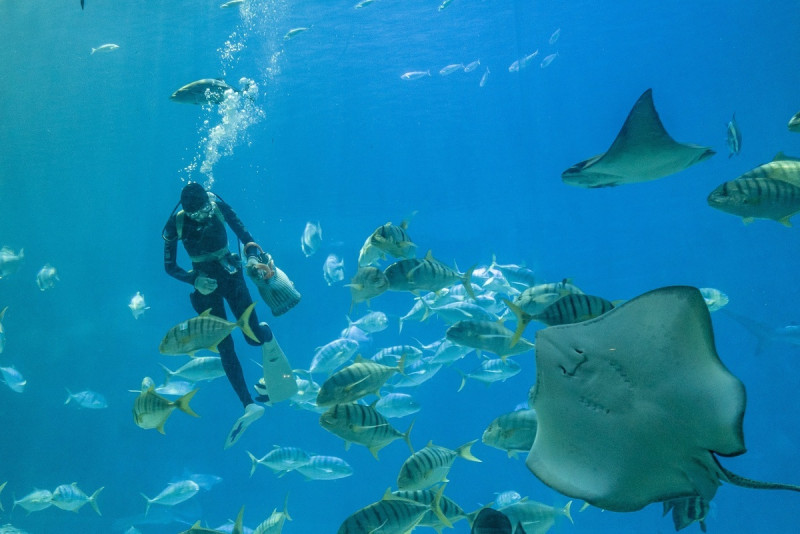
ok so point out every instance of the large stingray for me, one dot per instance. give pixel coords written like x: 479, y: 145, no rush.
x: 633, y: 405
x: 642, y: 151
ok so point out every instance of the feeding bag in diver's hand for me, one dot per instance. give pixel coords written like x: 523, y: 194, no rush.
x: 277, y: 291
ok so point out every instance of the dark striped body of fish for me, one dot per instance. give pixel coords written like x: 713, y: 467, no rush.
x: 452, y: 511
x: 490, y: 336
x: 387, y: 516
x: 151, y: 410
x: 356, y: 423
x: 367, y: 283
x: 687, y: 510
x: 428, y: 274
x: 203, y: 332
x: 574, y: 308
x: 512, y: 432
x: 430, y: 465
x: 394, y: 240
x: 357, y: 380
x: 535, y: 299
x: 758, y: 197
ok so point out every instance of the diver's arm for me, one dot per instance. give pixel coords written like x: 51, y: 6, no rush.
x: 170, y: 236
x: 238, y: 228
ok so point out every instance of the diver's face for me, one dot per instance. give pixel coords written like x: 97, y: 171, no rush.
x: 201, y: 214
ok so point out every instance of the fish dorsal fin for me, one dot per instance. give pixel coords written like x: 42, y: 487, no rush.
x: 359, y: 359
x: 429, y: 255
x: 205, y: 313
x: 430, y: 444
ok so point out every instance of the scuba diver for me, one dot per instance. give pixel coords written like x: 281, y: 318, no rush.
x: 217, y: 277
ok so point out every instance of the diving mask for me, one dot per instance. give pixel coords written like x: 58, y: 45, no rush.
x: 202, y: 213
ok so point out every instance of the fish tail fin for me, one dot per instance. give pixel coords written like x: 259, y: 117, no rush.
x: 168, y: 373
x: 428, y: 310
x: 467, y: 281
x: 183, y: 403
x: 465, y: 452
x: 565, y: 512
x: 437, y: 509
x: 244, y: 323
x: 237, y: 526
x: 463, y: 380
x: 286, y: 508
x: 149, y: 502
x: 69, y: 398
x: 407, y: 436
x: 522, y: 321
x: 254, y: 461
x: 93, y: 500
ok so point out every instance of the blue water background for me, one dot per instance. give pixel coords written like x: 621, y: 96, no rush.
x: 93, y: 155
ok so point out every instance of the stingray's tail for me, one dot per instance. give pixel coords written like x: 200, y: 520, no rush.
x: 737, y: 480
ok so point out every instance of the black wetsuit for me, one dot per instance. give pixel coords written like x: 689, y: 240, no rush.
x: 203, y: 238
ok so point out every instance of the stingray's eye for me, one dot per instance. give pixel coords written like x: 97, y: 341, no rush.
x: 563, y: 370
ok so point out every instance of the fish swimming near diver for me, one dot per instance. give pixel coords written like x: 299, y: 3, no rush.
x: 151, y: 410
x: 202, y: 92
x: 642, y: 151
x: 205, y: 331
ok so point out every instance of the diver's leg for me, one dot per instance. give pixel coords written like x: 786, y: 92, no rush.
x: 239, y: 299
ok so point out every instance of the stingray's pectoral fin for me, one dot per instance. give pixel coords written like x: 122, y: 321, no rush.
x: 743, y: 482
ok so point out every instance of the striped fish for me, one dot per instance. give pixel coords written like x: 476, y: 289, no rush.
x: 280, y: 459
x: 387, y: 239
x: 490, y: 336
x: 357, y: 380
x: 197, y: 528
x: 452, y: 511
x: 151, y: 410
x: 367, y: 283
x: 331, y: 356
x: 274, y: 523
x: 325, y: 468
x: 687, y: 510
x: 536, y: 298
x: 569, y: 309
x: 390, y: 515
x: 759, y: 197
x: 204, y: 332
x: 356, y: 423
x: 71, y: 497
x: 430, y: 465
x: 492, y: 370
x: 428, y: 274
x: 512, y: 432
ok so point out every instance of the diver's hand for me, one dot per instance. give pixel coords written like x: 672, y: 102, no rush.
x: 205, y: 285
x: 257, y: 270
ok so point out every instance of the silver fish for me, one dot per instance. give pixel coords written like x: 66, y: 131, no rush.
x: 548, y: 60
x: 487, y: 336
x: 3, y: 332
x: 47, y: 277
x: 294, y: 32
x: 197, y: 369
x: 137, y: 305
x: 311, y: 238
x: 397, y: 405
x: 492, y: 370
x: 356, y: 423
x: 10, y: 262
x: 469, y: 67
x: 333, y: 355
x: 333, y: 269
x: 13, y: 379
x: 35, y: 501
x: 554, y: 37
x: 280, y: 460
x: 87, y: 399
x: 734, y: 138
x: 794, y: 123
x: 325, y: 468
x: 450, y: 69
x: 108, y: 47
x: 174, y: 493
x: 71, y: 497
x: 202, y: 92
x: 415, y: 74
x: 484, y: 78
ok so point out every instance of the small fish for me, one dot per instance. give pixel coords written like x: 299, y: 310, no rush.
x: 71, y: 497
x: 554, y: 37
x: 311, y: 238
x: 280, y: 459
x: 490, y: 336
x: 10, y: 262
x: 392, y: 514
x: 505, y: 498
x: 202, y: 92
x: 197, y: 369
x: 35, y: 501
x: 363, y: 3
x: 332, y: 355
x: 389, y: 239
x: 427, y: 274
x: 512, y: 432
x: 444, y: 4
x: 715, y: 299
x: 356, y: 423
x: 415, y: 74
x: 108, y: 47
x: 569, y: 309
x: 450, y: 69
x: 523, y: 62
x: 325, y: 468
x: 370, y: 323
x: 532, y: 514
x: 492, y: 370
x: 231, y: 3
x: 397, y: 405
x: 484, y: 78
x: 293, y: 32
x: 430, y: 465
x: 368, y: 282
x: 151, y: 410
x: 687, y: 510
x: 13, y: 379
x: 794, y: 123
x: 333, y: 269
x: 469, y: 67
x: 87, y: 399
x: 138, y: 305
x: 3, y: 332
x: 203, y: 332
x: 174, y: 493
x: 47, y: 277
x: 734, y: 138
x: 547, y: 60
